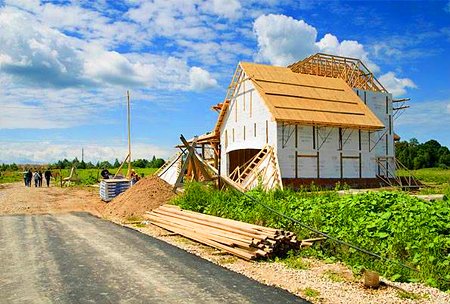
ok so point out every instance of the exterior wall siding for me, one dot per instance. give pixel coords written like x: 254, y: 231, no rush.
x: 330, y: 152
x: 246, y: 111
x: 381, y: 142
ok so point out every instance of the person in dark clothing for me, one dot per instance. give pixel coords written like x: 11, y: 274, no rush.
x: 105, y: 173
x: 40, y: 178
x: 48, y: 175
x: 29, y: 177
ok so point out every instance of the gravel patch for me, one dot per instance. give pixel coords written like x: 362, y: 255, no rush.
x: 319, y: 283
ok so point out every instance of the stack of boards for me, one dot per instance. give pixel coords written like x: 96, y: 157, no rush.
x: 241, y: 239
x: 110, y: 188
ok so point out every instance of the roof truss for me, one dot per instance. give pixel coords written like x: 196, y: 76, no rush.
x: 352, y: 70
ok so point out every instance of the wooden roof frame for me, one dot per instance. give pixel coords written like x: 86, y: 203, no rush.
x: 352, y: 70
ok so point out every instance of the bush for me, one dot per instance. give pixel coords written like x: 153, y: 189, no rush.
x: 392, y: 224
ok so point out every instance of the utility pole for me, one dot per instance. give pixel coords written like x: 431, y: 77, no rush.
x: 129, y: 138
x: 82, y: 154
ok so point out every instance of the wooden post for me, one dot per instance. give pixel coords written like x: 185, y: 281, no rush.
x: 129, y: 139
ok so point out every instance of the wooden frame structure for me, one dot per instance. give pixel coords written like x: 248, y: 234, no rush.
x: 408, y: 182
x: 352, y: 70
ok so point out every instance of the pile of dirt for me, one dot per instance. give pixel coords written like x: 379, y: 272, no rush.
x: 146, y: 195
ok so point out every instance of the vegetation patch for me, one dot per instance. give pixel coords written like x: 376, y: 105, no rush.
x: 311, y: 293
x: 393, y: 224
x: 295, y: 261
x: 407, y: 295
x: 228, y: 260
x: 334, y: 276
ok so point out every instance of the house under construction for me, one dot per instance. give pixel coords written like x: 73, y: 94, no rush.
x: 322, y: 120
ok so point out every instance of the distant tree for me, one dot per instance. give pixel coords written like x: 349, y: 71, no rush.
x: 90, y: 165
x: 75, y: 162
x: 116, y: 163
x: 415, y: 155
x: 66, y: 164
x: 82, y: 165
x: 105, y: 164
x: 140, y: 163
x: 158, y: 163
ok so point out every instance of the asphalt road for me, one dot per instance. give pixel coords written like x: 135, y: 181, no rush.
x: 78, y: 258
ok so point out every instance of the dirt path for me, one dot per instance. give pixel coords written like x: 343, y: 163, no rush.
x: 17, y: 199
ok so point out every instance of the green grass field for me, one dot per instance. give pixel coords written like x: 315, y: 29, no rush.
x: 437, y: 180
x: 430, y: 175
x: 86, y: 176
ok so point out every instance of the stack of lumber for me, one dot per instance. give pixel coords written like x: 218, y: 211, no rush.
x: 244, y: 240
x: 110, y: 188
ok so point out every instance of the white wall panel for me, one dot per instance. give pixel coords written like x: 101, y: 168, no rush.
x: 246, y: 109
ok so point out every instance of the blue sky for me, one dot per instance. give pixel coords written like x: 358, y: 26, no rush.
x: 65, y: 66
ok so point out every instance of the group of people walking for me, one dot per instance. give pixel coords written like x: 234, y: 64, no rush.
x: 37, y: 177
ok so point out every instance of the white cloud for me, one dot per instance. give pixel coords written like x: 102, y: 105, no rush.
x: 41, y: 56
x: 348, y: 48
x: 396, y: 86
x: 30, y: 5
x: 283, y: 40
x: 30, y: 50
x: 200, y: 79
x: 26, y: 152
x: 224, y: 8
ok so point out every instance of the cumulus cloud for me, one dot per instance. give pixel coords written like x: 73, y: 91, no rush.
x: 36, y: 53
x: 283, y: 40
x: 348, y: 48
x: 26, y: 152
x: 42, y: 56
x: 199, y: 79
x: 396, y: 86
x: 224, y: 8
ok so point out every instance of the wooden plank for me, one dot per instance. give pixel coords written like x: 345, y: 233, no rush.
x: 215, y: 225
x: 211, y: 230
x: 223, y: 220
x: 235, y: 251
x: 204, y: 233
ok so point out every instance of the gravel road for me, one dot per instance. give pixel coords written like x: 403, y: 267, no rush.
x: 78, y: 258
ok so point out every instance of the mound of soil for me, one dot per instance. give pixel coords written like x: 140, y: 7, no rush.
x: 146, y: 195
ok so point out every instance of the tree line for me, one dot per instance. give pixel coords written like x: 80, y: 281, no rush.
x: 138, y: 163
x: 415, y: 155
x: 67, y: 164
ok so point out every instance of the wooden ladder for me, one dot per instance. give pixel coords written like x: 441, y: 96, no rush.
x: 255, y: 161
x: 234, y: 83
x: 230, y: 93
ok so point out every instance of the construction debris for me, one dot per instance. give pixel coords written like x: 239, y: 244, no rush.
x: 147, y: 194
x: 241, y: 239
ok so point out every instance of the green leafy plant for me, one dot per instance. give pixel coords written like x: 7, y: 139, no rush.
x: 393, y: 224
